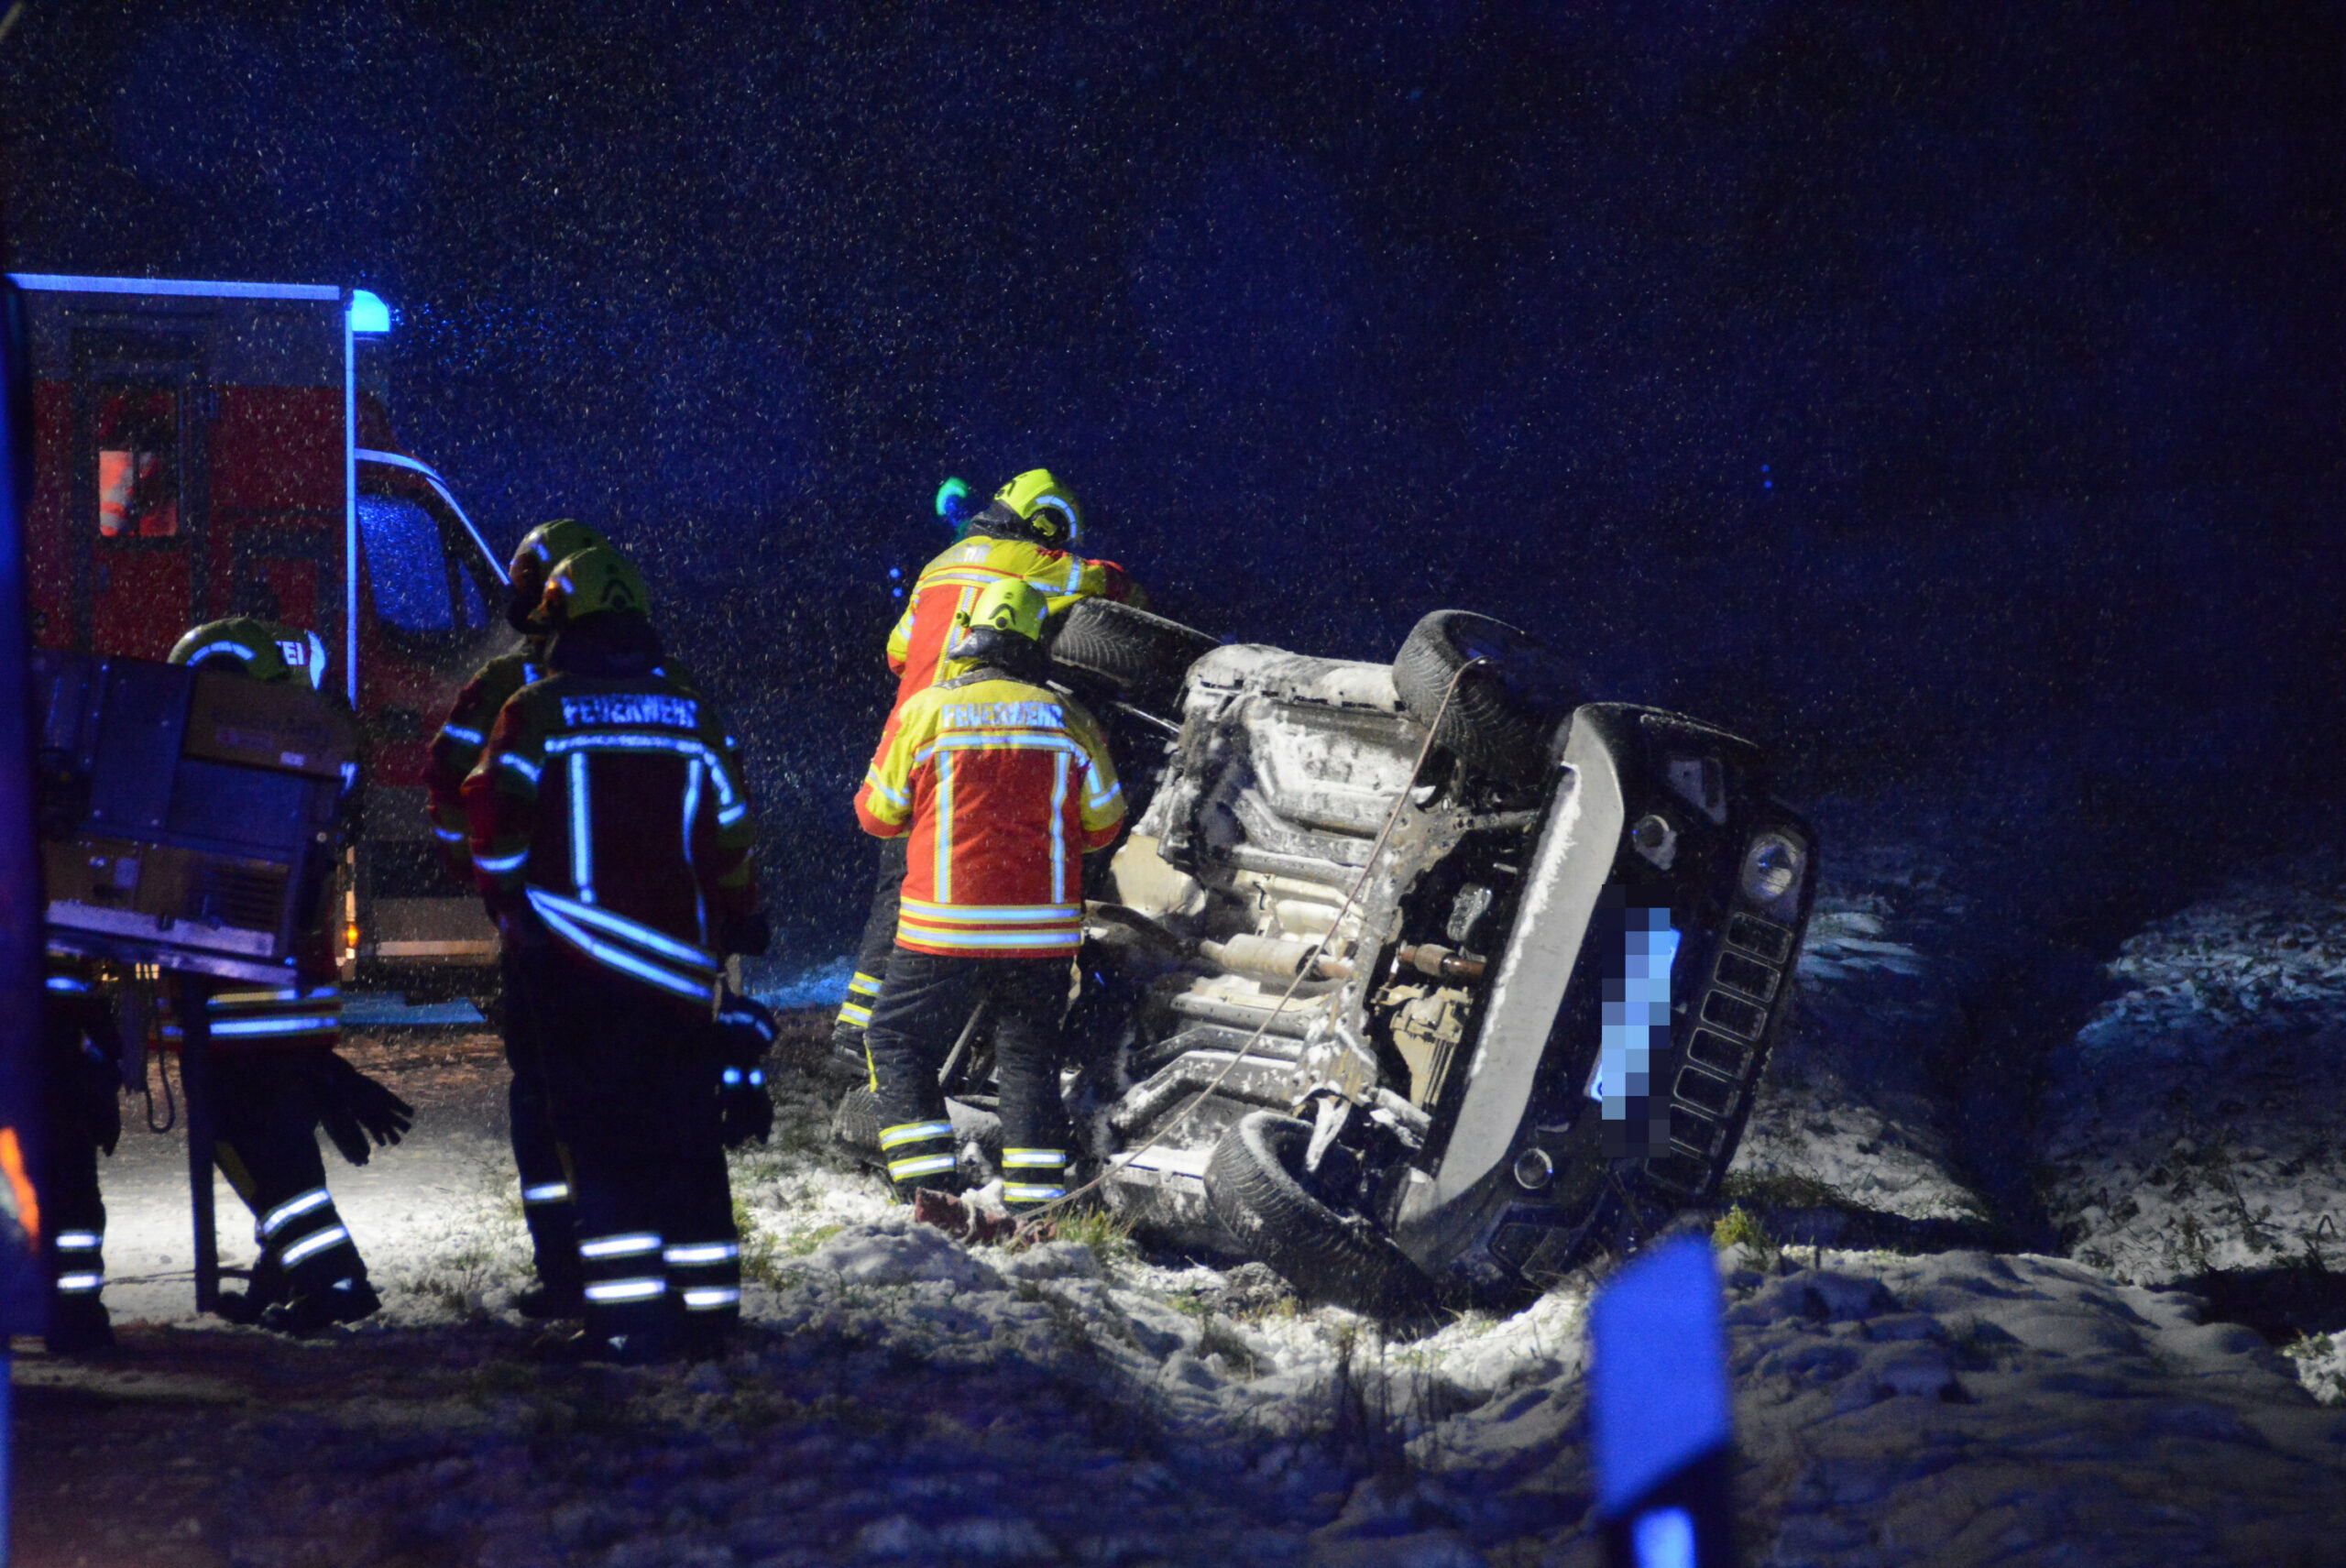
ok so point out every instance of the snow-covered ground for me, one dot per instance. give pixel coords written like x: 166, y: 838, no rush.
x: 901, y: 1397
x: 2198, y: 1122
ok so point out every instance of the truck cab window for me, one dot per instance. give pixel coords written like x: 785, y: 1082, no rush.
x: 404, y: 557
x: 139, y: 467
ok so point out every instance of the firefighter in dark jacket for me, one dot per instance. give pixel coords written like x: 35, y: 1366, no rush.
x: 276, y: 1077
x: 1029, y: 532
x: 613, y: 837
x: 538, y: 1155
x: 81, y: 1091
x: 1000, y: 786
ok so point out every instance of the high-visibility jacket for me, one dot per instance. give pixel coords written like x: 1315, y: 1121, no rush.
x: 456, y: 747
x: 948, y: 586
x: 1003, y: 788
x: 612, y: 807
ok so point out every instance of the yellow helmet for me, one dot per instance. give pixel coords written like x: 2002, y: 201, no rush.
x: 256, y: 649
x: 594, y: 581
x: 535, y: 557
x: 1003, y: 627
x: 1012, y: 604
x: 1046, y: 507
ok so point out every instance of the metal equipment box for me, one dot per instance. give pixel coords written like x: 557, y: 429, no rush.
x: 190, y: 818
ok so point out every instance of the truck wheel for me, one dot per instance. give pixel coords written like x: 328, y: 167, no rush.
x: 1138, y: 651
x: 1505, y: 711
x: 855, y: 1125
x: 1255, y: 1185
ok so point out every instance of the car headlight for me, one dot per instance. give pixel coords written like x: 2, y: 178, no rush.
x: 1773, y: 867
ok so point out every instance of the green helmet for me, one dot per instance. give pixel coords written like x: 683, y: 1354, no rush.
x: 258, y: 650
x: 595, y: 581
x: 539, y: 550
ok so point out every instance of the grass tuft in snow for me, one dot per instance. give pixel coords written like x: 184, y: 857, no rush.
x: 1108, y: 1235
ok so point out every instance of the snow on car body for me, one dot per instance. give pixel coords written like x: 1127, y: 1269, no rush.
x: 1524, y: 1027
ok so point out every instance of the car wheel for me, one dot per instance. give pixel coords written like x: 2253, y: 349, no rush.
x: 1505, y: 711
x: 1254, y: 1183
x: 1134, y: 650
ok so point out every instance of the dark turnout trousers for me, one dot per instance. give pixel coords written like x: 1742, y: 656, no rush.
x: 924, y: 999
x: 631, y: 1082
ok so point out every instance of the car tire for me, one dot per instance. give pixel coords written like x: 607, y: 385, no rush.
x: 1141, y: 653
x: 1504, y: 712
x: 1255, y: 1185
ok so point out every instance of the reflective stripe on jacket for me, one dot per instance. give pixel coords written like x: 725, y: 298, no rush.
x: 1003, y: 788
x: 948, y: 586
x: 614, y: 809
x: 456, y: 747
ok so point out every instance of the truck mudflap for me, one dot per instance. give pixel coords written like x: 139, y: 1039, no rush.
x: 1443, y: 1212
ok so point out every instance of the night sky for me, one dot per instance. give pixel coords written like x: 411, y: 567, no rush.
x: 1935, y: 391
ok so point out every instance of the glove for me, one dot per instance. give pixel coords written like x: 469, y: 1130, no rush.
x: 354, y: 1108
x: 744, y: 1114
x: 750, y: 933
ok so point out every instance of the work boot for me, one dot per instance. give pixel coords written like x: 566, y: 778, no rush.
x: 847, y: 1062
x: 543, y: 1300
x: 79, y: 1325
x: 343, y: 1302
x: 266, y: 1289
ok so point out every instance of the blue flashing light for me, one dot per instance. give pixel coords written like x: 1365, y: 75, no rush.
x: 1658, y: 1383
x: 368, y: 312
x: 895, y: 572
x: 1767, y: 484
x: 895, y: 593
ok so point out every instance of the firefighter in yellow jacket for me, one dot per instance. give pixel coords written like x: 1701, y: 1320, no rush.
x: 1029, y: 533
x: 999, y: 786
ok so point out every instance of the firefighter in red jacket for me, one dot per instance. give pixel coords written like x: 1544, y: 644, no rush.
x: 999, y: 786
x: 276, y: 1077
x: 1028, y: 534
x: 612, y: 835
x: 538, y: 1155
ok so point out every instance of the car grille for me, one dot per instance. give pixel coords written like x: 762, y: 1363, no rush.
x: 1713, y: 1082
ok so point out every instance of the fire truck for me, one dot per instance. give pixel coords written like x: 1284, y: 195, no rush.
x: 206, y: 449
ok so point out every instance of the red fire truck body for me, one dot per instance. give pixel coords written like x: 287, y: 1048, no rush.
x: 206, y: 449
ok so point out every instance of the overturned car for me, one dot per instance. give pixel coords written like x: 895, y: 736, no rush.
x: 1415, y: 982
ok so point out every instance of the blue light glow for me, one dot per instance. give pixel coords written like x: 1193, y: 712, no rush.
x: 952, y: 499
x: 368, y: 312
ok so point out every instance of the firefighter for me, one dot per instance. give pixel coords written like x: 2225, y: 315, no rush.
x: 613, y: 838
x: 1029, y: 533
x: 999, y: 786
x: 538, y: 1155
x: 82, y: 1089
x: 276, y: 1077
